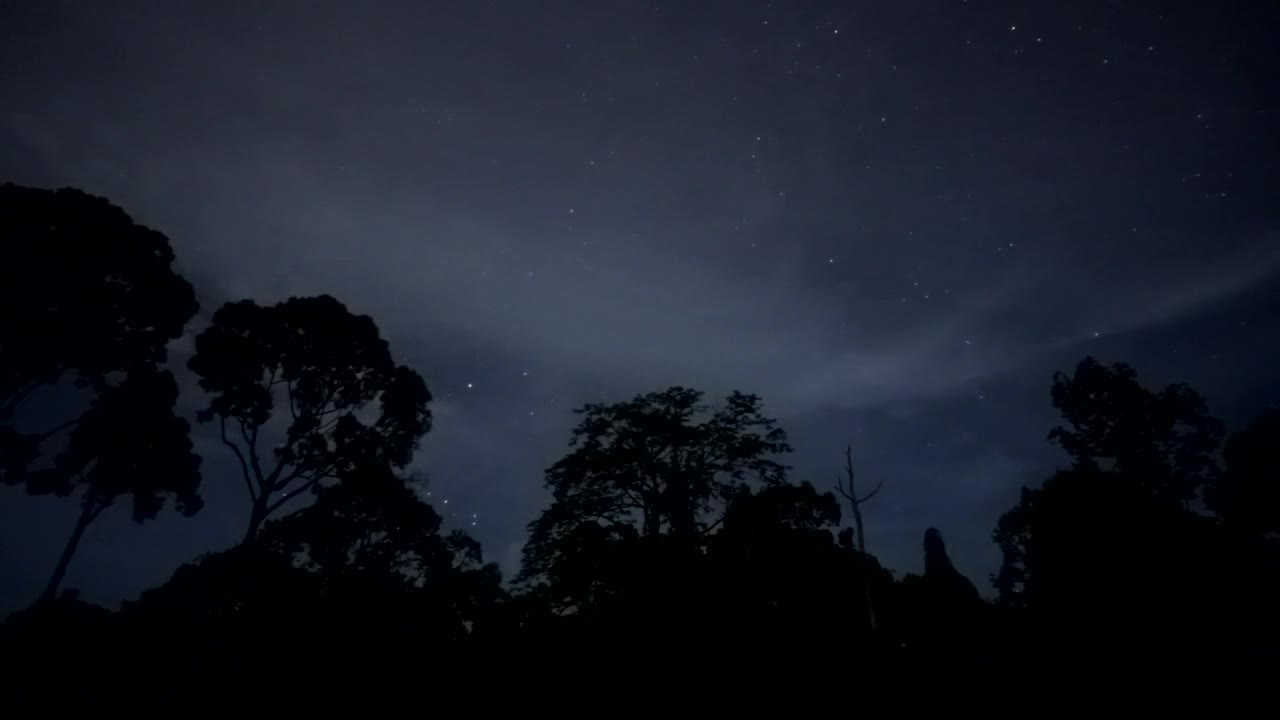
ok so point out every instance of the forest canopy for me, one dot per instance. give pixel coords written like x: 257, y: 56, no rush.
x: 677, y: 565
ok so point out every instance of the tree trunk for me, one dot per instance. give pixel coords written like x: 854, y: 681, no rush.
x: 256, y: 517
x: 857, y: 526
x: 90, y: 510
x: 855, y: 503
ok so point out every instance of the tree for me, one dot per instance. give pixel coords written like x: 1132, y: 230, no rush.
x: 1247, y: 495
x: 369, y: 549
x: 345, y: 404
x: 662, y: 465
x: 780, y: 585
x: 377, y: 532
x: 778, y: 567
x: 1088, y: 541
x: 128, y: 443
x: 1164, y: 440
x: 358, y: 592
x: 846, y: 488
x: 1113, y: 533
x: 85, y: 293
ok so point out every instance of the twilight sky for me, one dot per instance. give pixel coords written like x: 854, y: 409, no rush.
x: 893, y: 221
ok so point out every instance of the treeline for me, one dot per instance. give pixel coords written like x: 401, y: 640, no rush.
x: 678, y: 568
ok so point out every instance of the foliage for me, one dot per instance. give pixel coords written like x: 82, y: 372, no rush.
x: 675, y: 568
x: 378, y: 532
x: 128, y: 443
x: 85, y: 294
x: 131, y: 443
x: 777, y: 565
x: 1112, y: 535
x: 346, y: 404
x: 369, y: 541
x: 1165, y: 440
x: 664, y: 463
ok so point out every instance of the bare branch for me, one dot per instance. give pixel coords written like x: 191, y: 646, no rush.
x: 840, y: 488
x: 870, y: 494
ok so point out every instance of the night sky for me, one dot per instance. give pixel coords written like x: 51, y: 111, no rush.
x: 892, y: 220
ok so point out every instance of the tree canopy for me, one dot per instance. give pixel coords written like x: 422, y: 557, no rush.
x: 128, y: 443
x: 665, y: 463
x: 1163, y: 439
x: 676, y: 569
x: 325, y: 376
x: 85, y: 295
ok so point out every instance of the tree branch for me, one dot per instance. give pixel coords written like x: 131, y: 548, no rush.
x: 293, y: 409
x: 244, y: 466
x: 840, y: 488
x: 870, y: 494
x: 251, y: 445
x: 290, y: 495
x: 713, y: 525
x: 57, y: 429
x: 274, y: 478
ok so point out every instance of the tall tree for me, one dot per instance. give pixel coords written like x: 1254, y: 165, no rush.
x: 314, y: 381
x: 1114, y: 519
x: 128, y: 443
x: 84, y: 294
x: 1164, y: 439
x: 664, y: 464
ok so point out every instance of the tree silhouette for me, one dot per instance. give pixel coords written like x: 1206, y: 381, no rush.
x: 128, y: 443
x: 1111, y: 538
x: 377, y: 532
x: 1080, y: 542
x: 846, y: 488
x: 345, y: 404
x: 786, y: 602
x: 354, y: 595
x: 1165, y: 439
x: 84, y: 294
x: 661, y: 464
x: 1247, y: 495
x: 777, y: 565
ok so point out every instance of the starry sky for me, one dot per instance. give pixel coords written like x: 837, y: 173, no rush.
x: 893, y: 221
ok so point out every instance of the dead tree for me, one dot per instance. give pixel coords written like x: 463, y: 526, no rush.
x: 846, y: 488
